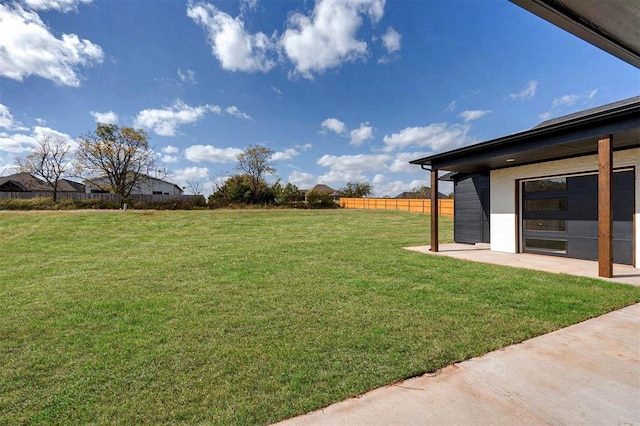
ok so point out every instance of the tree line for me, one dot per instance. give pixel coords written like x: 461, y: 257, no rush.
x: 118, y: 159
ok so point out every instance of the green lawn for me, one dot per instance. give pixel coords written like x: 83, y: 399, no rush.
x: 247, y: 316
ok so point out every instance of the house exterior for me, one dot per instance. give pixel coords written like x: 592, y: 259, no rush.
x: 25, y: 182
x: 147, y: 186
x: 549, y: 189
x: 570, y: 187
x: 323, y: 189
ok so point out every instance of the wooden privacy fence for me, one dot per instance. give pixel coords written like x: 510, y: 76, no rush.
x: 415, y: 205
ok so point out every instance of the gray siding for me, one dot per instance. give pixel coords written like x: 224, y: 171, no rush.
x: 471, y: 210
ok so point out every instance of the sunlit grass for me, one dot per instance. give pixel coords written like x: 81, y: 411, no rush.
x: 247, y: 317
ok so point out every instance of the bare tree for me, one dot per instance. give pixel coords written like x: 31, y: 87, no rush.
x: 115, y: 159
x: 49, y: 160
x: 195, y: 186
x: 256, y: 162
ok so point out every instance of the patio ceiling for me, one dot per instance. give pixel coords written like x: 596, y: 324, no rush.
x: 611, y: 25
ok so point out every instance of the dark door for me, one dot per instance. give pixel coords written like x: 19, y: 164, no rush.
x: 486, y: 209
x: 560, y: 216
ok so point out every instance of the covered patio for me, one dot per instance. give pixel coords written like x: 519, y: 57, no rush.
x: 625, y: 274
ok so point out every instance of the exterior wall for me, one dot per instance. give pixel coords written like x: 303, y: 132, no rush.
x: 469, y: 210
x: 147, y: 188
x: 155, y: 186
x: 503, y: 193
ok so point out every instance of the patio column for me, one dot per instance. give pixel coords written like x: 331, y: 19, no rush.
x: 605, y: 207
x: 434, y: 210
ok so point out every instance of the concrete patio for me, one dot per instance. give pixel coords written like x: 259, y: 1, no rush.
x: 625, y: 274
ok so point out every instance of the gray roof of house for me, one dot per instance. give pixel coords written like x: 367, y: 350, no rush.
x: 563, y: 137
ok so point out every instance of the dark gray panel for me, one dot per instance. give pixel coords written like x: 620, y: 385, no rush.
x: 469, y: 213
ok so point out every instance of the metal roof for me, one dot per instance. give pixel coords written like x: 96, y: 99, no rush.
x: 565, y: 137
x: 611, y: 25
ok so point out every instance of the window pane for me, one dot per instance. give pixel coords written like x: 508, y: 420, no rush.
x: 559, y: 225
x: 551, y: 246
x: 552, y: 184
x: 546, y: 205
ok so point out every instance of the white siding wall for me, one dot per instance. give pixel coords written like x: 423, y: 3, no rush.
x: 503, y: 192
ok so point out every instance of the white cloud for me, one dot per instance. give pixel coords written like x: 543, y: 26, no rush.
x: 170, y: 149
x: 391, y: 40
x: 350, y: 167
x: 169, y: 159
x: 398, y: 186
x: 436, y: 137
x: 304, y: 147
x: 287, y: 154
x: 276, y: 90
x: 451, y: 107
x: 526, y: 93
x: 334, y: 125
x: 471, y: 115
x: 197, y: 153
x: 401, y: 164
x: 59, y: 5
x: 16, y: 143
x: 183, y: 176
x: 19, y: 142
x: 571, y: 100
x: 235, y: 48
x: 563, y: 104
x: 302, y: 180
x: 108, y: 117
x: 6, y: 120
x: 361, y: 134
x: 164, y: 122
x: 327, y: 38
x: 379, y: 179
x: 233, y: 110
x: 247, y: 6
x: 27, y: 47
x: 187, y: 76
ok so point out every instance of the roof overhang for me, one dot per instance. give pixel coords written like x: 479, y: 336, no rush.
x: 575, y: 136
x: 611, y: 25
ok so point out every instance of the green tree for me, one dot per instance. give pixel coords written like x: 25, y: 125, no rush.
x: 238, y: 189
x: 115, y: 159
x: 357, y: 190
x: 255, y: 162
x: 287, y: 194
x: 321, y: 200
x: 48, y: 160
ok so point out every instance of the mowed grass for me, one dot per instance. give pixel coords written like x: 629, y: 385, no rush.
x: 247, y: 317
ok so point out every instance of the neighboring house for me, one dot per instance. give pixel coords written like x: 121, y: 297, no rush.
x: 323, y: 189
x: 537, y: 191
x: 418, y: 194
x: 25, y: 182
x: 147, y: 186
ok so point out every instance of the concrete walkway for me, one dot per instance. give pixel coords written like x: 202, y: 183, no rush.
x: 588, y: 373
x: 625, y: 274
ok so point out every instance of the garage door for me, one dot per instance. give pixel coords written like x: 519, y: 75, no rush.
x: 560, y: 216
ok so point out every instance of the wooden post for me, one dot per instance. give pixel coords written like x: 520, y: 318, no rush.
x: 434, y: 210
x: 605, y: 207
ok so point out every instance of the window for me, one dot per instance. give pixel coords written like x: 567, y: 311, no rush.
x: 546, y: 205
x: 559, y: 225
x: 543, y: 185
x: 549, y: 246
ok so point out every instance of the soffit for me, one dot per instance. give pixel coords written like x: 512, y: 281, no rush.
x: 611, y: 25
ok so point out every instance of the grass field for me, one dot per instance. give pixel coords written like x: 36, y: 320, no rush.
x: 247, y: 317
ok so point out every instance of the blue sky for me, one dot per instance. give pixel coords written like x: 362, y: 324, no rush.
x: 341, y: 90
